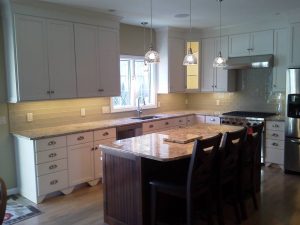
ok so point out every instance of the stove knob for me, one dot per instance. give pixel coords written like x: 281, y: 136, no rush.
x: 248, y: 124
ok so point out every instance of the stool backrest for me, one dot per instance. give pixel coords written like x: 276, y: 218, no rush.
x: 3, y: 200
x: 202, y: 167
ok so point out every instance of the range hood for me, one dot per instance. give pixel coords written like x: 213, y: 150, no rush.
x: 250, y: 62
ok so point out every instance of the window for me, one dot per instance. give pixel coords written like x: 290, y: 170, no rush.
x: 137, y: 81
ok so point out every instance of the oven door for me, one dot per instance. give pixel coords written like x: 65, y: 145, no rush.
x: 292, y: 154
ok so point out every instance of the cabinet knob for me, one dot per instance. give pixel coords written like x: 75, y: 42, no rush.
x: 51, y: 143
x: 53, y: 182
x: 96, y: 148
x: 166, y: 123
x: 274, y: 144
x: 105, y: 134
x: 275, y: 125
x: 52, y: 155
x: 48, y: 92
x: 92, y: 149
x: 275, y: 135
x: 52, y: 92
x: 151, y: 126
x: 52, y: 167
x: 80, y: 138
x: 212, y: 86
x: 215, y: 86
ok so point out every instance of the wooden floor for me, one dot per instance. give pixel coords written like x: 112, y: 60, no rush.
x: 279, y: 204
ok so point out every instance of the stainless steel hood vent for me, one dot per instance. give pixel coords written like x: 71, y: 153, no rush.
x: 250, y: 62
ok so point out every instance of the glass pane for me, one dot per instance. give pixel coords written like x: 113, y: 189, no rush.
x: 192, y: 71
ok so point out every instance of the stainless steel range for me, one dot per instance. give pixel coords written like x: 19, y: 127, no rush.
x: 247, y: 119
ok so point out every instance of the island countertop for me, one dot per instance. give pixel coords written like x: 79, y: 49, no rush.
x: 153, y: 146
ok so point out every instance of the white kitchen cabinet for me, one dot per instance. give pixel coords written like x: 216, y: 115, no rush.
x: 281, y: 58
x: 46, y: 58
x: 61, y: 57
x: 275, y: 143
x: 256, y: 43
x: 32, y: 58
x: 171, y: 72
x: 97, y: 61
x: 295, y: 42
x: 42, y: 167
x: 215, y: 79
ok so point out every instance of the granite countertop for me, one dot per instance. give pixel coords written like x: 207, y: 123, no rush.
x: 153, y: 146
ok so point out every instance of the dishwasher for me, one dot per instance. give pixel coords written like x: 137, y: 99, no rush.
x: 128, y: 131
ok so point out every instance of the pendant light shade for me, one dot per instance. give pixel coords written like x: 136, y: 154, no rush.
x: 151, y: 56
x: 190, y: 59
x: 220, y: 61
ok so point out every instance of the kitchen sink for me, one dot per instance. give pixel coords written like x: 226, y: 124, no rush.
x: 145, y: 117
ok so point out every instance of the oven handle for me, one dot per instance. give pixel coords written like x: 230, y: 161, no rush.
x: 296, y: 142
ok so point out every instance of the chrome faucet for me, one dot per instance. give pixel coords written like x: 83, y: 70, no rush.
x: 139, y: 107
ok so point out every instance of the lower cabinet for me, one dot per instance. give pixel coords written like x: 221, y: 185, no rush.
x: 275, y: 143
x: 55, y: 164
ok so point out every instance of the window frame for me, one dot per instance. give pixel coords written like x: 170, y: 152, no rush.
x: 154, y: 79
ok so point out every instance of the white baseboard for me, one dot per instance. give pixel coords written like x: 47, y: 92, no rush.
x: 12, y: 191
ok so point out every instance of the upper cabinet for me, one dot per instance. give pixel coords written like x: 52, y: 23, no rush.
x: 171, y: 74
x: 215, y: 79
x: 281, y: 58
x: 256, y: 43
x: 97, y: 61
x: 57, y: 57
x: 295, y: 48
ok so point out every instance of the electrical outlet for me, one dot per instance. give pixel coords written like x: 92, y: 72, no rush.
x: 3, y: 120
x: 186, y: 101
x: 105, y: 109
x: 29, y: 117
x: 217, y: 102
x: 82, y: 112
x: 158, y: 104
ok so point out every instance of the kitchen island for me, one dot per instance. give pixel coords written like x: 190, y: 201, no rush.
x: 129, y: 164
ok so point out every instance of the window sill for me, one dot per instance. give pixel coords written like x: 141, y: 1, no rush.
x: 117, y: 110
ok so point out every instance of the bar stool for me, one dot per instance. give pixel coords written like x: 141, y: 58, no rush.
x: 227, y: 185
x: 198, y: 182
x: 3, y: 200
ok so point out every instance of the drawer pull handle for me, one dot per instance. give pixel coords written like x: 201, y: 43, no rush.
x: 151, y: 126
x: 52, y: 155
x: 52, y: 143
x: 80, y: 138
x: 96, y: 148
x: 52, y: 167
x: 275, y: 135
x: 92, y: 149
x: 53, y: 182
x: 180, y: 121
x: 105, y: 134
x: 166, y: 123
x: 275, y: 144
x: 275, y: 125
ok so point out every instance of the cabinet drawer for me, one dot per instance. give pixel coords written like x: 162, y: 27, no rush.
x: 200, y: 119
x: 104, y: 134
x: 277, y: 135
x: 179, y: 121
x: 51, y: 155
x: 212, y: 119
x: 166, y: 124
x: 151, y: 126
x: 52, y: 182
x: 50, y: 143
x: 190, y: 120
x: 51, y: 167
x: 272, y: 143
x: 80, y: 138
x: 275, y: 125
x: 274, y: 156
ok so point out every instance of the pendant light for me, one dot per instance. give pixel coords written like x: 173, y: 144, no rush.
x: 151, y: 56
x: 220, y: 61
x: 190, y: 59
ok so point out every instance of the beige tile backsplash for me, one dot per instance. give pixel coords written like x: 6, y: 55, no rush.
x: 63, y: 112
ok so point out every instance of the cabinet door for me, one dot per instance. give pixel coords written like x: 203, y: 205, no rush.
x: 262, y: 42
x: 176, y: 69
x: 295, y: 54
x: 239, y: 45
x: 280, y: 59
x: 208, y: 55
x: 61, y: 57
x: 87, y: 60
x: 109, y: 63
x: 221, y: 75
x: 31, y: 46
x: 81, y: 163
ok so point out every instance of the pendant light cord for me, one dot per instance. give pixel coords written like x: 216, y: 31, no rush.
x: 220, y: 23
x: 190, y: 21
x: 151, y: 22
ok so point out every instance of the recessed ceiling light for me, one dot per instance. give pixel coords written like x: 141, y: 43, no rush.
x: 182, y: 15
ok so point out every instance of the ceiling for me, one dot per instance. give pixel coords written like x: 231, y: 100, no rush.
x: 204, y: 12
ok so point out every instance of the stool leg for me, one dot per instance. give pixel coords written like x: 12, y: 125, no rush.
x: 153, y: 205
x: 189, y: 210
